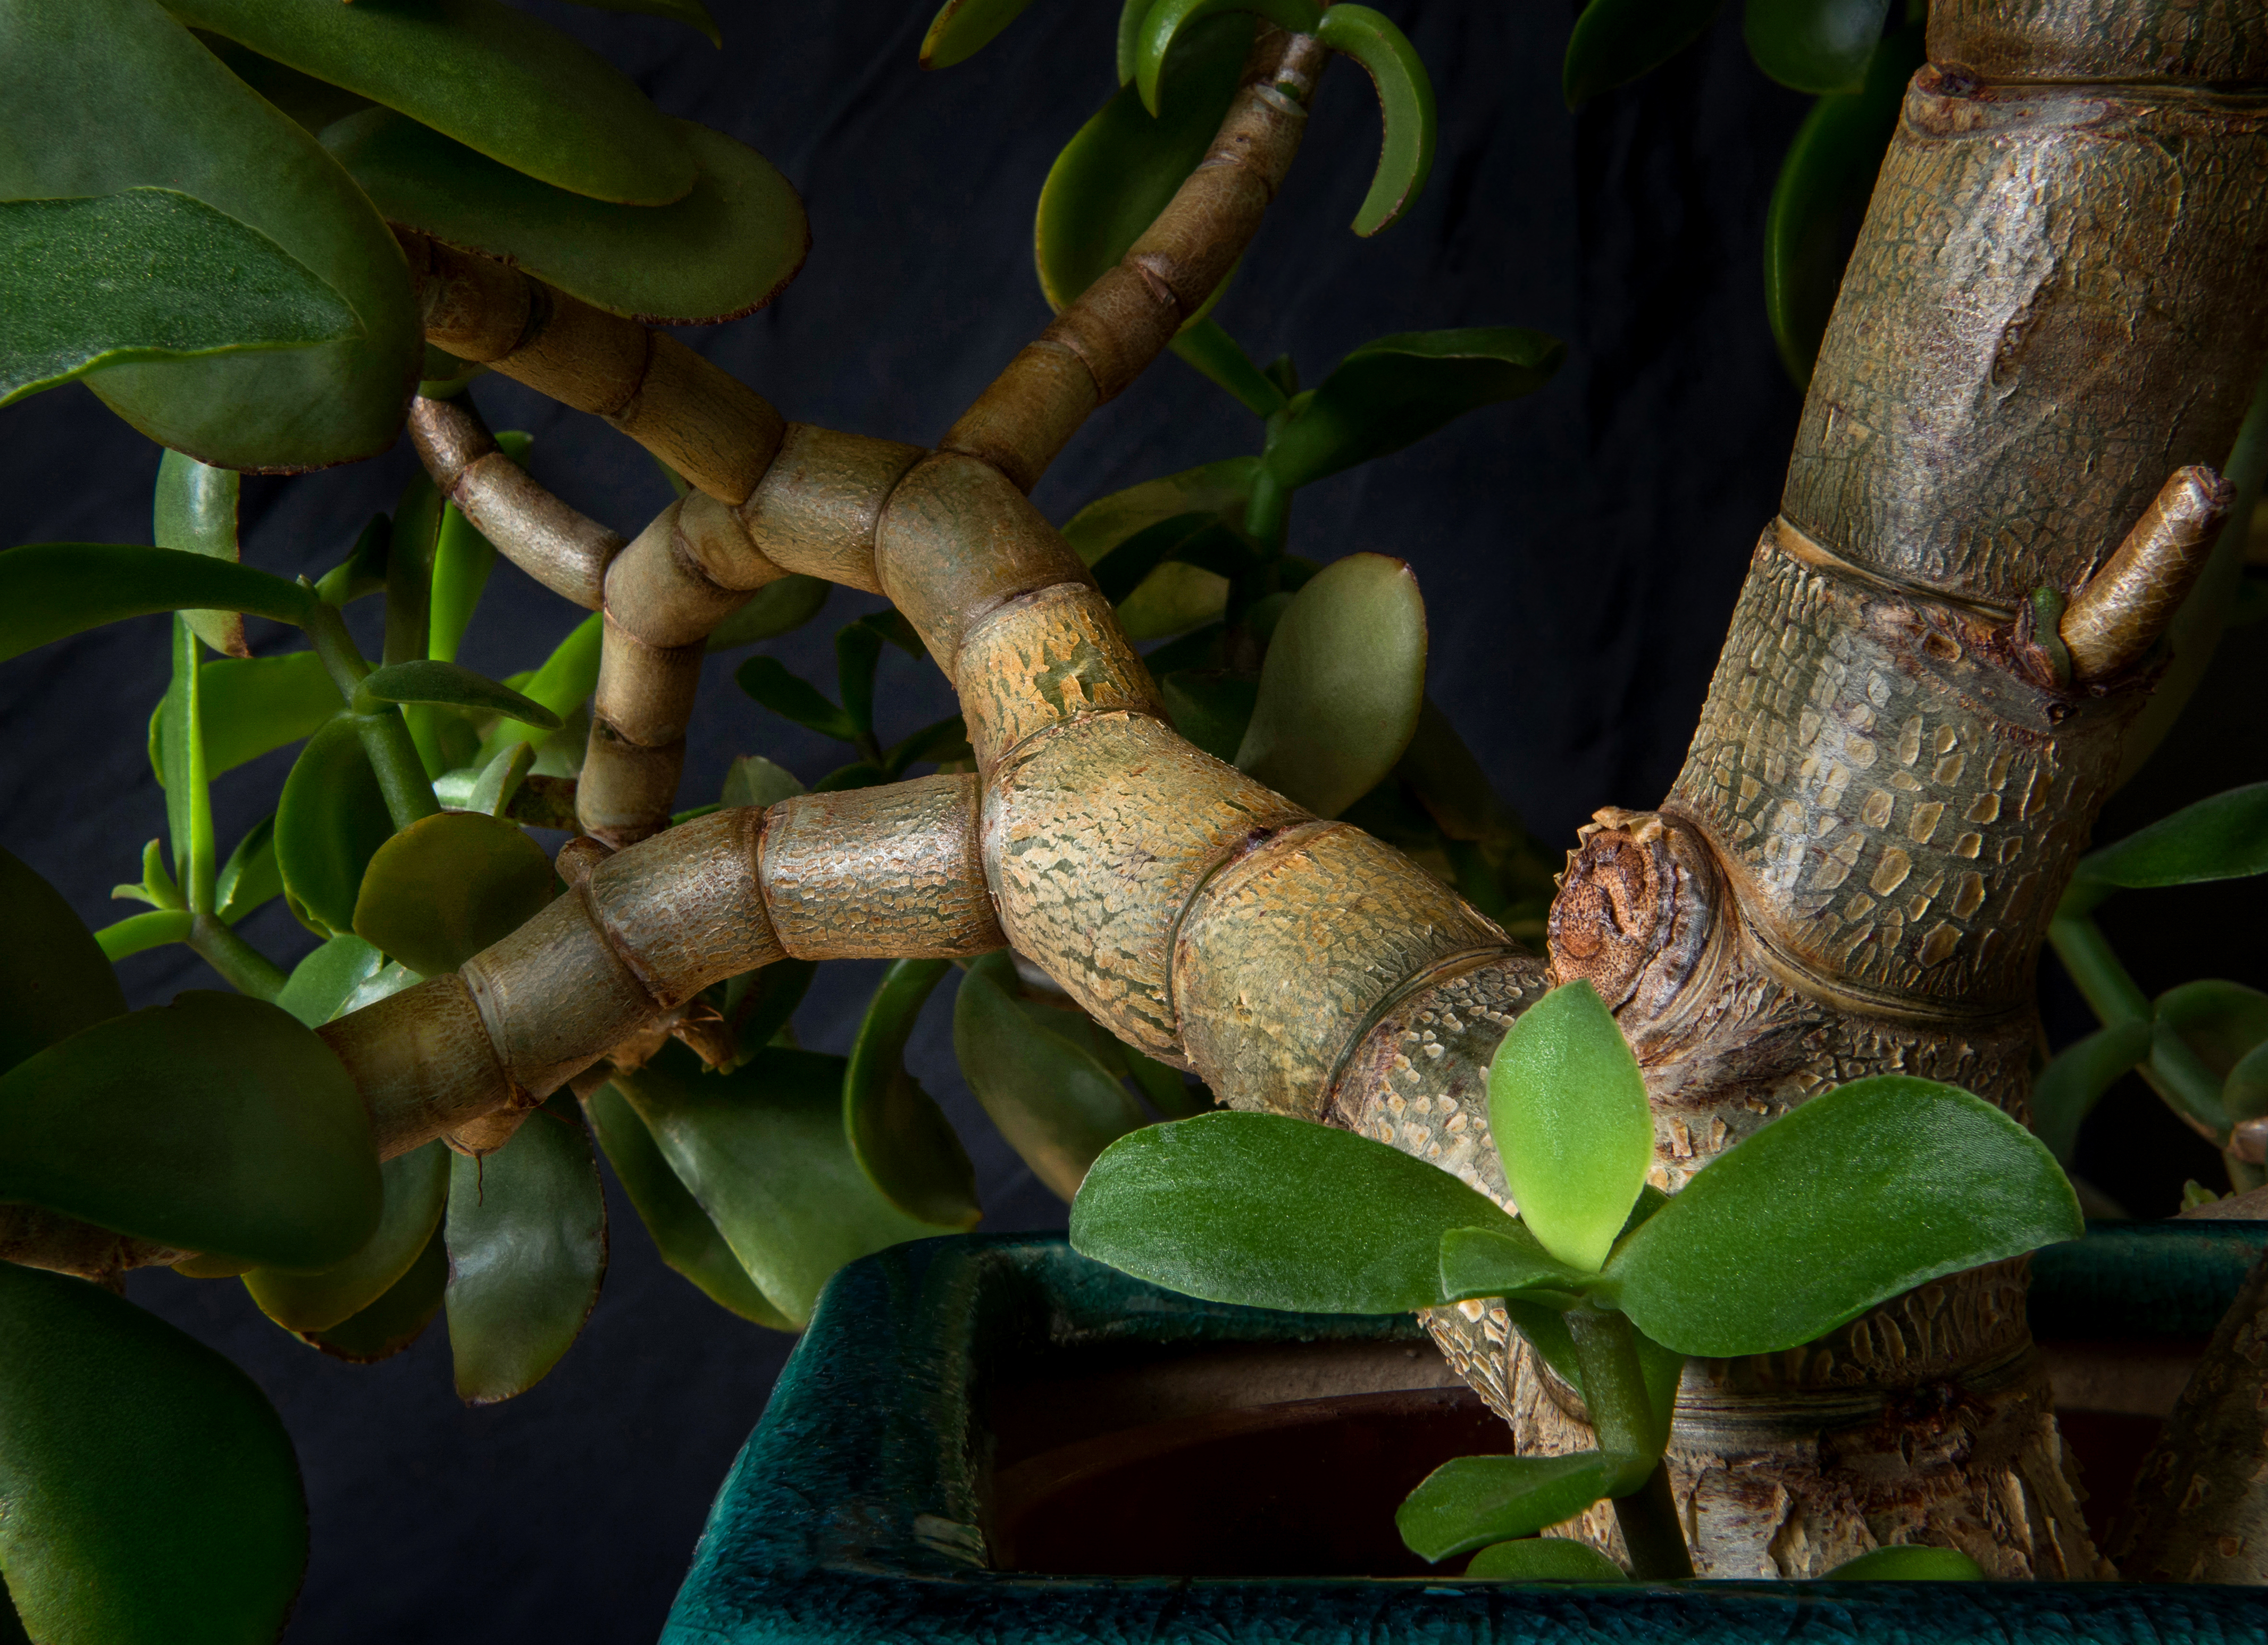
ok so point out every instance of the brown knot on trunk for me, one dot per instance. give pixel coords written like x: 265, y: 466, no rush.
x: 1634, y: 909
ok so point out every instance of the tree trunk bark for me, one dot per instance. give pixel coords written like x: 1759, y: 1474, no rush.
x: 2056, y: 303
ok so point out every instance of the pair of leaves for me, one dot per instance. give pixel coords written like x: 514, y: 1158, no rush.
x: 2204, y: 1045
x: 2223, y: 837
x: 899, y: 1137
x: 1858, y: 1195
x: 526, y: 1238
x: 1040, y: 1073
x: 115, y: 100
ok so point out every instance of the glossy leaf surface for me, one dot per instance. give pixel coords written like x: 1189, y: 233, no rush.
x: 1545, y: 1559
x: 451, y: 685
x: 774, y: 609
x: 1568, y: 1112
x: 752, y: 779
x: 1816, y: 44
x: 104, y: 97
x: 195, y: 509
x: 2202, y: 1031
x: 1392, y: 393
x: 961, y: 28
x: 54, y: 978
x: 415, y: 1186
x: 1499, y: 1261
x: 1162, y: 24
x: 216, y: 1124
x: 2070, y: 1086
x: 1221, y: 488
x: 2225, y: 837
x: 51, y: 590
x: 792, y: 697
x: 148, y: 274
x: 1472, y: 1502
x: 563, y: 684
x: 1275, y: 1213
x: 330, y: 823
x: 1866, y: 1191
x: 688, y: 1240
x: 320, y: 985
x: 1823, y: 186
x: 493, y: 77
x: 899, y: 1137
x: 449, y: 885
x: 1342, y: 685
x: 1034, y: 1070
x: 1120, y: 171
x: 1909, y: 1564
x: 149, y: 1494
x: 396, y: 1320
x: 1616, y: 42
x: 1211, y: 708
x: 1405, y: 103
x: 1173, y: 598
x: 527, y: 1232
x: 250, y: 875
x: 253, y: 705
x: 761, y: 1150
x: 728, y: 247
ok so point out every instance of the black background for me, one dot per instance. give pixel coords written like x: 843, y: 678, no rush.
x: 1579, y: 551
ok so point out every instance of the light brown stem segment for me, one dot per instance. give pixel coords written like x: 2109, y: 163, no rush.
x: 891, y: 871
x: 565, y: 551
x: 697, y: 417
x: 1123, y: 321
x: 2127, y: 605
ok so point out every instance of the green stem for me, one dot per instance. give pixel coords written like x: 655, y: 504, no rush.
x: 1622, y: 1416
x: 384, y: 734
x: 1268, y: 512
x: 244, y: 967
x: 2102, y: 981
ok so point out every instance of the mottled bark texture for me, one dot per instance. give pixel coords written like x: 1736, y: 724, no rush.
x: 2053, y: 307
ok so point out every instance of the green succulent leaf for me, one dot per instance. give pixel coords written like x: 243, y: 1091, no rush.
x: 2225, y: 837
x: 2244, y: 1092
x: 113, y: 96
x: 1165, y: 20
x: 1123, y: 167
x: 492, y: 76
x: 214, y: 1124
x: 2070, y: 1086
x: 774, y: 609
x: 396, y: 1320
x: 141, y: 932
x: 1340, y: 689
x: 252, y: 706
x: 1909, y: 1564
x: 1035, y: 1068
x: 1502, y: 1262
x: 727, y: 248
x: 330, y: 822
x: 526, y: 1233
x: 1545, y: 1559
x: 250, y: 877
x: 2201, y: 1032
x: 1200, y: 539
x: 1211, y: 707
x: 48, y: 591
x: 688, y: 1240
x: 148, y: 274
x: 448, y: 887
x: 1616, y: 42
x: 1472, y: 1502
x: 767, y: 680
x: 1175, y: 597
x: 692, y: 13
x: 1568, y: 1111
x: 1221, y: 490
x: 321, y: 984
x: 452, y: 686
x: 1275, y: 1212
x: 897, y: 1133
x: 761, y: 1150
x: 55, y: 980
x: 961, y: 28
x: 1859, y: 1194
x: 1816, y: 44
x: 1824, y: 184
x: 150, y: 1496
x: 1215, y: 354
x: 752, y: 779
x: 857, y: 651
x: 415, y: 1188
x: 1405, y: 103
x: 195, y: 509
x: 1394, y: 392
x: 561, y: 686
x: 947, y: 740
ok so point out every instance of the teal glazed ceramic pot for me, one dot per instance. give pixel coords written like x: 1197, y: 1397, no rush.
x: 989, y: 1440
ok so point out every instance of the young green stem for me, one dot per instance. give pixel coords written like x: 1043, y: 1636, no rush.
x: 1269, y: 512
x: 2176, y: 1072
x: 385, y: 736
x: 1622, y: 1416
x: 244, y: 967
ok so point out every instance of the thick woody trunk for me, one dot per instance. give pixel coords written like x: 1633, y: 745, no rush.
x: 2055, y: 304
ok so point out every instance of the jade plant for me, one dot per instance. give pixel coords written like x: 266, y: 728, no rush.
x: 1866, y: 1192
x: 1254, y: 867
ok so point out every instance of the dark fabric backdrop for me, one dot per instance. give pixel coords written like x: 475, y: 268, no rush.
x: 1579, y: 551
